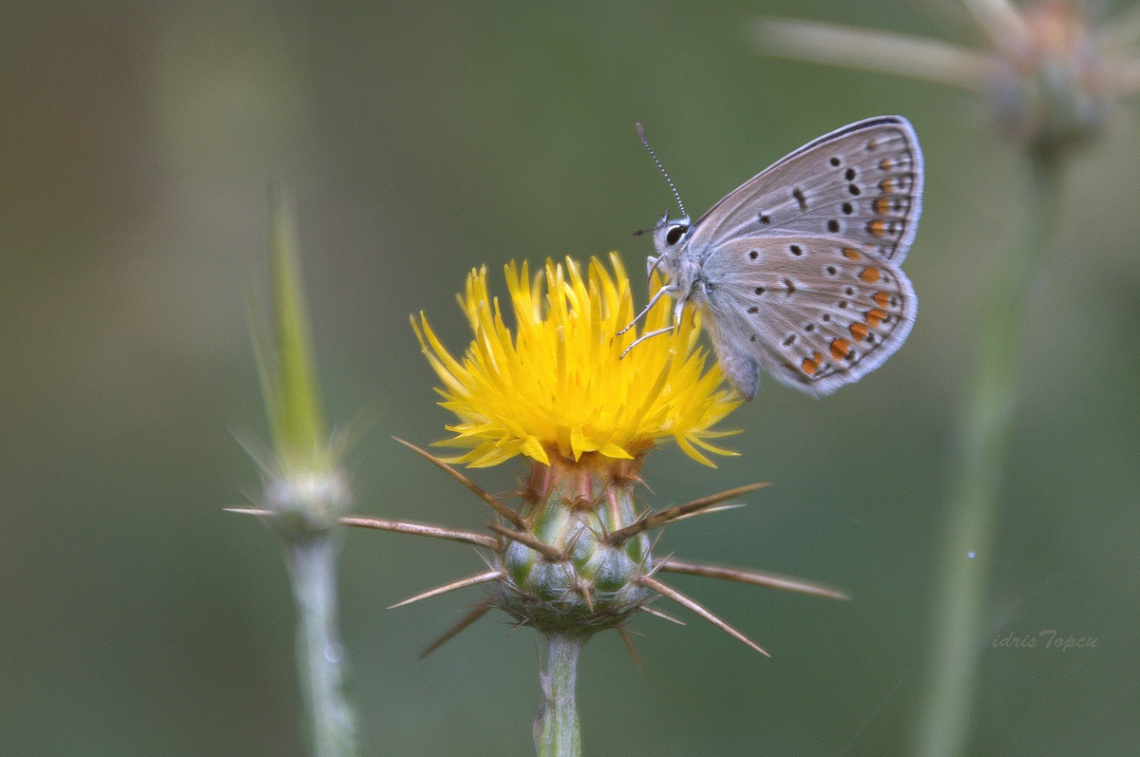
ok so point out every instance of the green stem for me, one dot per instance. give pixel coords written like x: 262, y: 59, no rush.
x: 556, y: 730
x: 961, y: 589
x: 321, y: 661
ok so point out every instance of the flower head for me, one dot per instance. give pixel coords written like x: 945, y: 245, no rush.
x: 557, y: 388
x: 574, y: 558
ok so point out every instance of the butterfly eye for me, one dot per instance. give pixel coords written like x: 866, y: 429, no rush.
x: 676, y: 233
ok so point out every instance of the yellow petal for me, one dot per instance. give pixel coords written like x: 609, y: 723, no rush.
x: 555, y: 382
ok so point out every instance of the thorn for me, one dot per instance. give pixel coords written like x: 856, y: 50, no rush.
x: 462, y: 583
x: 494, y: 504
x: 677, y: 512
x: 756, y: 578
x: 630, y: 647
x: 663, y: 616
x: 477, y: 612
x: 419, y: 529
x: 693, y: 606
x: 550, y: 553
x: 486, y: 561
x: 584, y: 590
x: 253, y: 446
x: 583, y: 528
x: 656, y: 563
x: 709, y: 510
x: 246, y: 511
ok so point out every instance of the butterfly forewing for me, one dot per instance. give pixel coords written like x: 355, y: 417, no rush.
x: 861, y: 183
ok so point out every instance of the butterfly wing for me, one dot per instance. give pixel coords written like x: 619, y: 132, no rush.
x: 815, y: 312
x: 862, y: 183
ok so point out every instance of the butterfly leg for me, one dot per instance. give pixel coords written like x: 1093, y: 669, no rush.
x: 651, y: 264
x: 662, y: 291
x: 643, y: 337
x: 678, y: 312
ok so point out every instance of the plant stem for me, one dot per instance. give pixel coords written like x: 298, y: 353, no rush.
x: 556, y: 730
x: 321, y: 662
x: 961, y: 588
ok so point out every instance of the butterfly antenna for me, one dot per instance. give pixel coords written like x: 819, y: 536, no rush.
x: 644, y: 141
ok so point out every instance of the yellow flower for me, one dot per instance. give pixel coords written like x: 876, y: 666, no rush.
x: 557, y: 388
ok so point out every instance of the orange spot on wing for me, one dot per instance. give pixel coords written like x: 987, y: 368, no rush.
x: 875, y: 316
x: 810, y: 365
x: 851, y: 253
x: 859, y: 330
x: 877, y: 227
x: 882, y: 205
x: 887, y: 186
x: 840, y: 348
x: 885, y: 164
x: 882, y: 299
x: 870, y: 274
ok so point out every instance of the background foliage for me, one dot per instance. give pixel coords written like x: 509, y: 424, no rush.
x: 419, y: 140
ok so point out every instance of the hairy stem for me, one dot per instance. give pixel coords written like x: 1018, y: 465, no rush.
x: 972, y: 514
x: 321, y: 662
x: 556, y: 731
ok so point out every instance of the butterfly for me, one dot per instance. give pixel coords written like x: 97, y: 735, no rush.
x: 797, y: 270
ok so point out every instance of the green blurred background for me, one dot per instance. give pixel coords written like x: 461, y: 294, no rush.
x: 419, y: 140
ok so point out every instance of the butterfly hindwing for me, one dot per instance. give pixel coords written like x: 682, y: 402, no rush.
x: 814, y: 312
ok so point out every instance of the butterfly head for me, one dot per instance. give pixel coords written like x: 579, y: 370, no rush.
x: 668, y: 237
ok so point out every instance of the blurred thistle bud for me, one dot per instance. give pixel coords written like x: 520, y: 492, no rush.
x: 305, y: 488
x: 1050, y: 85
x: 305, y: 491
x: 1050, y: 79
